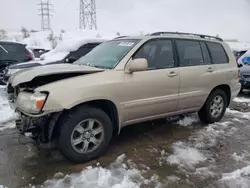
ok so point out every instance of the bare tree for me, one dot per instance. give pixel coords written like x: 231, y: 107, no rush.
x: 53, y: 39
x: 61, y: 35
x: 3, y: 34
x: 25, y: 32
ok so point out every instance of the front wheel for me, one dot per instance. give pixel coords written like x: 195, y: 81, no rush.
x: 214, y: 108
x: 85, y: 134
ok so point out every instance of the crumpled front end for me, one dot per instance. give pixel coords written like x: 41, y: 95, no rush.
x: 40, y: 125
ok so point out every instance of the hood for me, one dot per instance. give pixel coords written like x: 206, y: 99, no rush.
x: 245, y: 69
x: 27, y: 75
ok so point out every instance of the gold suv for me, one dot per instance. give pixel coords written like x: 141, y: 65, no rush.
x: 122, y: 82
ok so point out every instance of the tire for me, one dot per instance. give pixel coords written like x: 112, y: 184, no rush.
x: 206, y: 114
x: 1, y: 81
x: 68, y: 124
x: 241, y: 90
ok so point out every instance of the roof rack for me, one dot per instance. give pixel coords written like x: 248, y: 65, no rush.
x: 190, y: 34
x: 120, y: 37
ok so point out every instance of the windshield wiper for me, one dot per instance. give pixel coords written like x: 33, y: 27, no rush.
x: 96, y: 66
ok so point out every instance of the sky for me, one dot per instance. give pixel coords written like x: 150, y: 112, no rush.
x: 228, y: 18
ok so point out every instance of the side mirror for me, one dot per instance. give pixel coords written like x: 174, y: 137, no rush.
x: 136, y: 65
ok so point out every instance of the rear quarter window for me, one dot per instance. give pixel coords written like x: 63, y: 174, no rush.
x: 218, y: 53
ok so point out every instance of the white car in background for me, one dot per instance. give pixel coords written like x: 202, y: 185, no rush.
x: 38, y: 50
x: 65, y: 52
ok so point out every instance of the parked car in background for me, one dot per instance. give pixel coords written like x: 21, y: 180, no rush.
x: 121, y: 82
x: 38, y: 51
x: 244, y: 62
x: 12, y: 53
x: 238, y: 54
x: 245, y: 77
x: 66, y: 52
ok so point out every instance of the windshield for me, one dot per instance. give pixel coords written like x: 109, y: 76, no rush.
x: 108, y: 54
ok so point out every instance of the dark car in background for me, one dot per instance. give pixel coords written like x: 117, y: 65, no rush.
x: 12, y: 53
x: 238, y: 54
x: 38, y: 51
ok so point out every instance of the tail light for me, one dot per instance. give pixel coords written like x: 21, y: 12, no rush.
x: 30, y: 56
x: 238, y: 74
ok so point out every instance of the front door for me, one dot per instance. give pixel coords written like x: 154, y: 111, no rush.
x: 153, y: 92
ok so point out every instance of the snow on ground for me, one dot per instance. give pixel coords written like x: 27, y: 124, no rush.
x: 188, y: 120
x: 241, y: 100
x: 193, y: 156
x: 6, y: 113
x: 117, y: 175
x: 237, y: 157
x: 185, y: 156
x: 237, y: 179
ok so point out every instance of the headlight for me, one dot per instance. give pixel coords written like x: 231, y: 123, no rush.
x: 31, y: 102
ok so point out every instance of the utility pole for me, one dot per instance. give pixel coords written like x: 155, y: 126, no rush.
x: 45, y: 9
x: 87, y: 17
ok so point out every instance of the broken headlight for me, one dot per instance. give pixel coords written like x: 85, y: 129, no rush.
x: 31, y: 102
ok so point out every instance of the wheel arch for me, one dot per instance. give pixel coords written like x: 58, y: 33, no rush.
x: 106, y: 105
x: 226, y: 88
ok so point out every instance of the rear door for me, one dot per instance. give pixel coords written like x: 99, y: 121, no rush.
x: 224, y: 72
x: 195, y: 74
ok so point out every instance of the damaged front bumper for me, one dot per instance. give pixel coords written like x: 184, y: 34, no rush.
x: 41, y: 126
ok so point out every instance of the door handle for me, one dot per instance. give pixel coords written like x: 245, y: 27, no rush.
x: 172, y: 74
x: 210, y: 69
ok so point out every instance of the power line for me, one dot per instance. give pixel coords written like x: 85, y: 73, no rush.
x: 87, y: 16
x: 45, y: 13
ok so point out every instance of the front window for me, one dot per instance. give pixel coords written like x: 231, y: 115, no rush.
x: 108, y: 54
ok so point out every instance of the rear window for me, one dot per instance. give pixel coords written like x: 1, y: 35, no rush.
x: 218, y: 53
x: 15, y: 52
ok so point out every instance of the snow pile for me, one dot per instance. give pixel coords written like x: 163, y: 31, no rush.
x: 242, y: 115
x: 237, y: 157
x: 238, y: 178
x: 6, y: 113
x: 185, y: 156
x: 38, y: 39
x: 64, y: 48
x: 41, y: 38
x: 204, y: 172
x: 188, y: 120
x: 241, y: 100
x: 118, y: 175
x: 239, y: 46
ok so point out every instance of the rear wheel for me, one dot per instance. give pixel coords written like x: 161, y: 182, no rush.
x: 214, y: 108
x: 85, y: 133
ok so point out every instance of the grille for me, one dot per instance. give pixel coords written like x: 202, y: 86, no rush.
x: 246, y: 75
